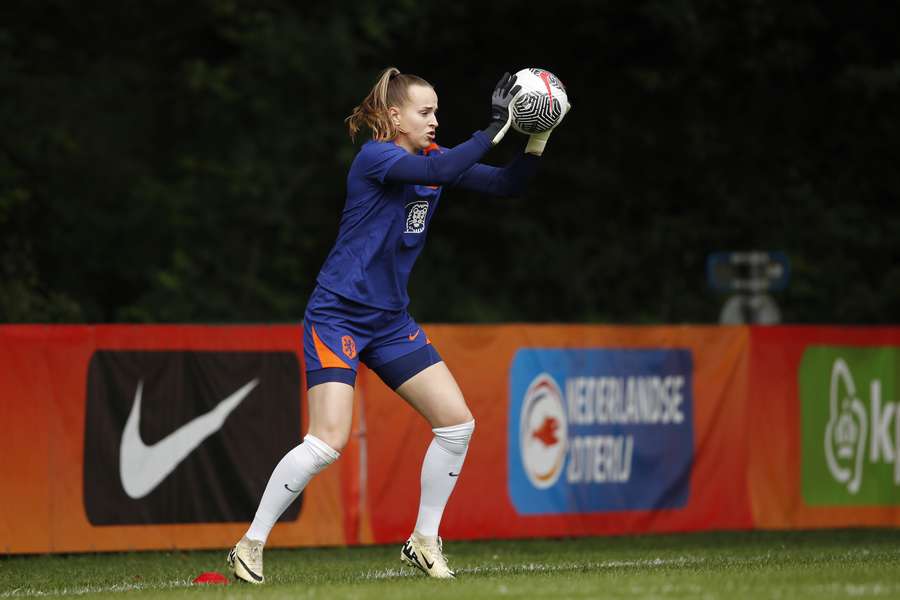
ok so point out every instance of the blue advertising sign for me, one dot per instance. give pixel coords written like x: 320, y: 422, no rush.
x: 598, y: 430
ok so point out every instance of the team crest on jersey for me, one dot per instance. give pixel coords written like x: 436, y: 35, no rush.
x: 348, y: 345
x: 415, y: 216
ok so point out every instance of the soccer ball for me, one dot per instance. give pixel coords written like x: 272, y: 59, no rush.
x: 540, y: 103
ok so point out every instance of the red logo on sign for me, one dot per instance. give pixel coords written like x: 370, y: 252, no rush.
x: 546, y: 433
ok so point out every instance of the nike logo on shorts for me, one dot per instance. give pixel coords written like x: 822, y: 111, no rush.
x: 413, y: 337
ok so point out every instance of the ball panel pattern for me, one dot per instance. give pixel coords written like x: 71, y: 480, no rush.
x: 536, y: 112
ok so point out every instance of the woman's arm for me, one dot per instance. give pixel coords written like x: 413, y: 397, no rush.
x: 439, y: 168
x: 510, y: 180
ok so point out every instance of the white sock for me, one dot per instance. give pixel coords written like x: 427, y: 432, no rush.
x: 288, y: 479
x: 440, y: 470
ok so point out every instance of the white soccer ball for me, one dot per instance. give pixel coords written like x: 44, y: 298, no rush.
x: 541, y: 102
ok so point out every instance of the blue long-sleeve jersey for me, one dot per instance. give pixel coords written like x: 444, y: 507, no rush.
x: 391, y: 197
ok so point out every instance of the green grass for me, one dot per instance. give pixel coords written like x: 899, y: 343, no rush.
x: 786, y: 565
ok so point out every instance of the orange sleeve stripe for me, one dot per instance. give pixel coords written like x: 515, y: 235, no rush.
x: 327, y: 358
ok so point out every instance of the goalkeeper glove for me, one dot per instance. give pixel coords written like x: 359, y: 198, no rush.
x: 501, y: 117
x: 537, y: 141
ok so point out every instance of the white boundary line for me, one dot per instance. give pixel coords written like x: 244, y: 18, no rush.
x: 29, y: 592
x: 682, y: 561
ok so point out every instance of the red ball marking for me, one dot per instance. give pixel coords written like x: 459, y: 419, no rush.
x: 545, y: 76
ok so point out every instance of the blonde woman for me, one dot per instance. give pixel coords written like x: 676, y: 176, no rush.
x: 357, y: 312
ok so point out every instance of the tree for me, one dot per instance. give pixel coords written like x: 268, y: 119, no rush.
x: 185, y: 162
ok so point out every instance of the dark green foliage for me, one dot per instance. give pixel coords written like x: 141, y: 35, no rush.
x: 185, y: 161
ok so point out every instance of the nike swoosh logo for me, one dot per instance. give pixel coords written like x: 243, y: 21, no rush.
x: 252, y: 574
x: 143, y: 467
x: 411, y: 554
x: 413, y: 337
x: 290, y: 490
x: 452, y: 474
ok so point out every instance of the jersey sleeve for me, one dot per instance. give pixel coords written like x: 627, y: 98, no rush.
x: 510, y: 180
x: 439, y: 168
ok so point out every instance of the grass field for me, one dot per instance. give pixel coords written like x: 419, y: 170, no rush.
x: 816, y: 564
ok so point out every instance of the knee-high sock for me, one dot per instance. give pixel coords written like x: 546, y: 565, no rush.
x: 440, y: 470
x: 288, y: 479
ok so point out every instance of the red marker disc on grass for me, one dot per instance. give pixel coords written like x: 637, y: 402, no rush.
x: 211, y: 577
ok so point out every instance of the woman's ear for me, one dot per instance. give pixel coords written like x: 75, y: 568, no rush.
x: 394, y: 114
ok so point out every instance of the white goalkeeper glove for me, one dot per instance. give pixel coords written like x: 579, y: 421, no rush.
x: 537, y: 141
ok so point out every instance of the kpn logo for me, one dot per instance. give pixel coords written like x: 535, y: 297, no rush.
x: 850, y: 425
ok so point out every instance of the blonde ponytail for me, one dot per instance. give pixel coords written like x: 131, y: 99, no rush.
x: 391, y: 89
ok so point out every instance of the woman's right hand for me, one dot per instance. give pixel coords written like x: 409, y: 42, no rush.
x: 501, y: 117
x: 538, y: 141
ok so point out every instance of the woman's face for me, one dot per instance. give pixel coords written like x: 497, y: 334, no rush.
x: 416, y: 120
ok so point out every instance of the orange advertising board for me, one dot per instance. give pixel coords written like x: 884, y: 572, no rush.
x: 57, y: 495
x: 580, y: 430
x: 690, y: 482
x: 824, y: 427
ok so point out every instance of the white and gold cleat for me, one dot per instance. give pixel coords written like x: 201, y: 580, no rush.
x: 246, y: 561
x: 426, y: 554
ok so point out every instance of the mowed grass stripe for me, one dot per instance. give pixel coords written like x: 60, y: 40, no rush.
x: 819, y: 564
x: 395, y: 573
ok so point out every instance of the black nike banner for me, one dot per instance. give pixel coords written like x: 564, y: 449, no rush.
x: 186, y: 436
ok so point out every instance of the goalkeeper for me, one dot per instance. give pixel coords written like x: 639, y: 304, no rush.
x: 358, y: 310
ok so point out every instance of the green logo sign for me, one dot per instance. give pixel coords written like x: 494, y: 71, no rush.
x: 850, y: 425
